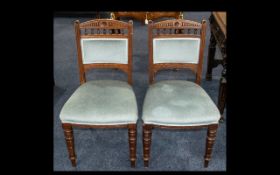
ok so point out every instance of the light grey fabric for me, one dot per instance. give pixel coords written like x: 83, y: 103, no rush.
x: 179, y: 103
x: 101, y: 102
x: 104, y: 50
x: 176, y: 50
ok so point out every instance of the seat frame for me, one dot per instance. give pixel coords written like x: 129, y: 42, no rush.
x: 179, y: 28
x: 102, y: 28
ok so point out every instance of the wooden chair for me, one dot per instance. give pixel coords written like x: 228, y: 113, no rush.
x: 177, y: 104
x: 102, y: 103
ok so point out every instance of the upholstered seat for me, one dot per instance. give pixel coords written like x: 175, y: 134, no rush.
x: 179, y: 103
x: 101, y: 102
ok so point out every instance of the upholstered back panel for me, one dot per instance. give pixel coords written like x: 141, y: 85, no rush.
x: 176, y: 50
x: 104, y: 50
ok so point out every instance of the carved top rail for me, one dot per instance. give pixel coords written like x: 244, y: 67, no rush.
x: 104, y: 23
x: 179, y: 27
x: 179, y: 23
x: 105, y: 27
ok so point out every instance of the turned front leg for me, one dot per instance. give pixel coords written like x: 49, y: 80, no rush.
x: 211, y: 136
x: 132, y: 143
x: 68, y: 133
x: 147, y: 136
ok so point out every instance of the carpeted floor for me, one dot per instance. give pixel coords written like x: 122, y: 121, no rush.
x: 107, y: 149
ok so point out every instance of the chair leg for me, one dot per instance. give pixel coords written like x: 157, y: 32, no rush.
x: 211, y: 136
x: 132, y: 135
x: 147, y: 139
x: 68, y: 133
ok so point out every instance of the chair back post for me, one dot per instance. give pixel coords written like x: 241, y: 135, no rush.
x: 201, y: 51
x: 80, y: 61
x: 150, y: 45
x: 130, y: 48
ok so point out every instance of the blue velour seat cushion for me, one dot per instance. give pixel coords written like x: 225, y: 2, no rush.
x: 179, y: 103
x: 101, y: 102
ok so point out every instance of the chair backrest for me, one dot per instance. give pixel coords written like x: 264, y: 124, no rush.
x: 104, y: 43
x: 176, y: 44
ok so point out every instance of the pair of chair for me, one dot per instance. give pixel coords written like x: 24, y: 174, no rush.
x: 172, y: 104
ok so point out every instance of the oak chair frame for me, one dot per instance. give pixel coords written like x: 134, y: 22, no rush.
x: 102, y: 28
x: 174, y: 29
